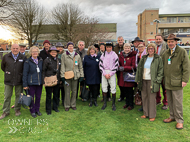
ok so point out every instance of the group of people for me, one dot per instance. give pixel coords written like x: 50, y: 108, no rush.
x: 101, y: 64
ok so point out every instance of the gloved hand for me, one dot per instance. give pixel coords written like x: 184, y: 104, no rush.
x: 63, y: 80
x: 121, y: 68
x: 81, y: 79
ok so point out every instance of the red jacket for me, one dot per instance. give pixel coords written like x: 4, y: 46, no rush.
x: 130, y: 62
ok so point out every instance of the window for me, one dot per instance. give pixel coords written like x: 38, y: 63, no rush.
x: 151, y: 33
x: 159, y: 31
x: 183, y: 19
x: 188, y: 30
x: 151, y: 23
x: 180, y: 30
x: 168, y: 20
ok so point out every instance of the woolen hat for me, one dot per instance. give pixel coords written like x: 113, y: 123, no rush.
x: 46, y: 41
x: 53, y: 48
x: 59, y: 44
x: 171, y: 37
x: 70, y: 43
x: 137, y: 39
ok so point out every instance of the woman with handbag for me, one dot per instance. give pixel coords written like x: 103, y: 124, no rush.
x: 127, y: 65
x: 92, y: 73
x: 32, y: 79
x: 51, y: 78
x: 148, y: 77
x: 71, y: 71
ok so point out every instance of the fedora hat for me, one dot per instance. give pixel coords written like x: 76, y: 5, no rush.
x: 59, y: 44
x: 137, y: 39
x: 171, y: 37
x: 53, y: 48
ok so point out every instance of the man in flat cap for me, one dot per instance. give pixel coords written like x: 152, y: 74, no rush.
x: 22, y: 50
x: 176, y: 76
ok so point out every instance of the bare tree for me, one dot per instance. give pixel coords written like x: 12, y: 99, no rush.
x: 66, y: 17
x: 27, y: 19
x: 73, y: 25
x: 5, y: 9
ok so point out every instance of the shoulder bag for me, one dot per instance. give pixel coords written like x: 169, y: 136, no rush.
x: 52, y: 80
x: 70, y: 74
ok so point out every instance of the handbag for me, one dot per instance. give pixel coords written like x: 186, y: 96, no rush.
x: 129, y: 77
x: 70, y: 74
x: 51, y: 80
x: 85, y: 94
x: 25, y: 100
x: 138, y: 100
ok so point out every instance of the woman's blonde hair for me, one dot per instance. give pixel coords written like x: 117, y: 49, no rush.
x: 91, y: 47
x: 151, y: 45
x: 32, y: 48
x: 126, y: 45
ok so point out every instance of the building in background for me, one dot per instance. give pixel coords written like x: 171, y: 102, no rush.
x: 150, y: 23
x: 49, y: 32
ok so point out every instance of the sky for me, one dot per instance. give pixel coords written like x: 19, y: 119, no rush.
x: 122, y: 12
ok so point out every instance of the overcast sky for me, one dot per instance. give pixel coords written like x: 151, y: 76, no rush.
x: 123, y: 12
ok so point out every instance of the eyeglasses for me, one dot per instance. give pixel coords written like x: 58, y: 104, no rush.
x: 34, y: 51
x: 150, y: 48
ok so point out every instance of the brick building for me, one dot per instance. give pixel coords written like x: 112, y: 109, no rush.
x: 179, y: 24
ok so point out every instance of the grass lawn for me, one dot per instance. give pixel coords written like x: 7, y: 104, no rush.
x: 92, y: 124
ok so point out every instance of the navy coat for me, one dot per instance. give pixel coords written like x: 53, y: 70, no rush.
x: 30, y: 74
x: 92, y: 73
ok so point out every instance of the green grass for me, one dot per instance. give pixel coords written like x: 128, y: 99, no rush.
x: 92, y: 124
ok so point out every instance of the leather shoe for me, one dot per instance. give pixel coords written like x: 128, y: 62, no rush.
x: 66, y: 109
x: 143, y: 116
x: 179, y: 126
x: 164, y: 107
x: 4, y: 115
x: 74, y: 108
x: 130, y: 107
x: 125, y: 106
x: 33, y: 115
x: 168, y: 120
x: 17, y: 112
x: 56, y: 110
x: 48, y: 113
x: 39, y: 113
x: 151, y: 119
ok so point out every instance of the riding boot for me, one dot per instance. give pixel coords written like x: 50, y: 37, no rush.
x: 105, y: 101
x: 113, y: 102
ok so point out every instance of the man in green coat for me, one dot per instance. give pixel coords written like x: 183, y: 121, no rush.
x: 176, y: 76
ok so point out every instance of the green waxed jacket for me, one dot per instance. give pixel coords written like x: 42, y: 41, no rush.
x: 156, y: 71
x: 67, y: 65
x: 179, y: 69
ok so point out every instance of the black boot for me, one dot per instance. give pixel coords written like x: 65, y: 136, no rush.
x: 113, y: 102
x: 90, y: 104
x: 105, y: 101
x: 95, y: 102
